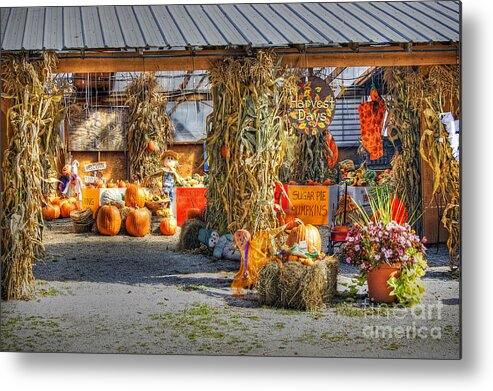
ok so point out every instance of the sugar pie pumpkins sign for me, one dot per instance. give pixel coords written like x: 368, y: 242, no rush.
x: 311, y: 110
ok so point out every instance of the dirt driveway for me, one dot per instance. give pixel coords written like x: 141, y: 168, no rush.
x: 138, y: 295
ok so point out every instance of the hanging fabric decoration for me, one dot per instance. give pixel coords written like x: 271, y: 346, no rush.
x: 371, y: 118
x: 332, y: 153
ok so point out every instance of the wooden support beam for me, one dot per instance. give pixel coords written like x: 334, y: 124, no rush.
x: 333, y: 75
x: 313, y: 58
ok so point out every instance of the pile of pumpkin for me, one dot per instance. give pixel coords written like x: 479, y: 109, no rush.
x: 57, y: 207
x: 135, y: 217
x: 111, y: 184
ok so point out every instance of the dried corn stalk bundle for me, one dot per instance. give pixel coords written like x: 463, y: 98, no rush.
x: 435, y: 92
x: 33, y: 120
x: 403, y: 124
x: 148, y: 123
x: 311, y: 153
x: 245, y: 142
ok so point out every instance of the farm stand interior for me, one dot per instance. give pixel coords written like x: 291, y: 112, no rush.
x: 233, y: 101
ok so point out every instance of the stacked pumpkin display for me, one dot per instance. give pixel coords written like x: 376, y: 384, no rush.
x: 56, y: 207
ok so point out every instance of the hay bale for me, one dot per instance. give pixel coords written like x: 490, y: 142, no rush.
x: 267, y: 284
x: 289, y: 284
x: 313, y: 287
x: 189, y: 234
x: 332, y: 271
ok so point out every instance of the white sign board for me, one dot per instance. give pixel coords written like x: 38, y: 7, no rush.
x: 90, y: 179
x: 94, y: 166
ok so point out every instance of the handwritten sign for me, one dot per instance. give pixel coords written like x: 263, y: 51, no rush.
x: 312, y: 109
x: 90, y: 199
x: 94, y: 166
x: 187, y: 198
x: 311, y: 203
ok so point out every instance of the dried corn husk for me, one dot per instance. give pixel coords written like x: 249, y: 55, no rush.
x: 247, y: 125
x: 148, y: 121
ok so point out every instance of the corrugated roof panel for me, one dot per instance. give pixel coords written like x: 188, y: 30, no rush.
x: 215, y: 15
x: 362, y: 11
x: 219, y: 25
x: 4, y: 18
x: 291, y: 18
x: 266, y: 27
x: 331, y: 19
x: 449, y: 22
x: 150, y: 29
x: 291, y: 33
x: 171, y: 33
x: 53, y: 28
x: 192, y: 34
x: 33, y: 34
x: 130, y: 27
x: 207, y: 28
x: 91, y: 25
x: 361, y: 27
x: 15, y: 29
x: 422, y: 22
x: 249, y: 31
x: 112, y: 34
x: 73, y: 35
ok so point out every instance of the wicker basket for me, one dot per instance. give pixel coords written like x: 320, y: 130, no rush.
x: 153, y: 206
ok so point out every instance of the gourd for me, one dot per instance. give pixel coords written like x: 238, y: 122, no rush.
x: 150, y: 146
x: 109, y: 220
x: 168, y: 226
x: 138, y: 222
x: 307, y: 233
x: 111, y: 197
x: 51, y: 212
x: 135, y: 196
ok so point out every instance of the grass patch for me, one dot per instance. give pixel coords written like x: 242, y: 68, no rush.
x: 50, y: 292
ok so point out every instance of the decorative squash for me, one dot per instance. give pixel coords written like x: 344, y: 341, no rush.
x: 168, y: 226
x: 307, y: 233
x: 109, y: 220
x: 66, y: 207
x: 193, y: 213
x: 150, y: 146
x: 111, y: 197
x: 135, y: 196
x: 51, y: 212
x: 288, y: 216
x: 164, y: 212
x: 138, y: 222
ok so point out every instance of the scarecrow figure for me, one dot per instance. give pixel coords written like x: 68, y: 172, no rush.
x: 76, y: 181
x: 170, y: 163
x: 63, y: 186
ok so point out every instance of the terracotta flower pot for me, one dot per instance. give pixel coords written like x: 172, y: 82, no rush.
x: 378, y: 289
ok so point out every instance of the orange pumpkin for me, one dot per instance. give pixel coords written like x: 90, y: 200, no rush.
x: 122, y: 184
x: 328, y: 182
x: 307, y: 233
x: 193, y: 213
x: 288, y: 216
x: 66, y: 207
x: 109, y: 220
x: 138, y: 222
x: 51, y: 212
x: 135, y: 196
x: 150, y: 146
x: 111, y: 185
x: 57, y: 200
x: 99, y: 183
x: 292, y: 183
x: 168, y: 226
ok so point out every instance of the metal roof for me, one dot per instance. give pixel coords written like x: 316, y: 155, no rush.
x: 228, y: 25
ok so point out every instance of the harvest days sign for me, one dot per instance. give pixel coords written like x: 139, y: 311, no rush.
x: 311, y: 110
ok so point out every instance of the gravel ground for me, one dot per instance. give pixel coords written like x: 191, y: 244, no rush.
x: 138, y: 295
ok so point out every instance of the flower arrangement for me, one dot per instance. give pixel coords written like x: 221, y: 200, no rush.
x: 369, y: 246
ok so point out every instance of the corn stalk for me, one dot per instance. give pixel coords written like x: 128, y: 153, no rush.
x: 33, y: 121
x: 148, y: 122
x: 246, y: 141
